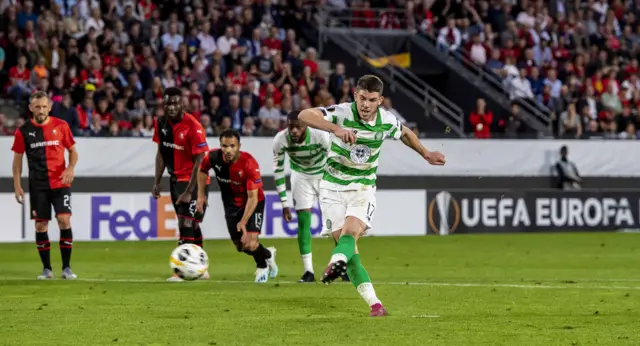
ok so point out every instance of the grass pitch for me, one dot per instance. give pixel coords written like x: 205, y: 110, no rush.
x: 524, y: 289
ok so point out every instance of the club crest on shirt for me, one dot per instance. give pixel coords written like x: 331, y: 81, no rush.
x: 239, y: 173
x: 378, y: 136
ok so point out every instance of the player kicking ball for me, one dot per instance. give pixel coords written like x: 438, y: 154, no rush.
x: 238, y: 176
x: 347, y: 189
x: 182, y: 144
x: 307, y: 149
x: 44, y: 139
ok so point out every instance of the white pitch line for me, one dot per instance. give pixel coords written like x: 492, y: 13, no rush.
x: 398, y: 283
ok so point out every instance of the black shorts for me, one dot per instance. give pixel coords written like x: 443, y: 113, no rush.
x: 254, y: 225
x: 41, y: 201
x: 186, y: 210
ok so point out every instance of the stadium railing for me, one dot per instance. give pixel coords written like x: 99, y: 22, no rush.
x: 336, y: 25
x: 538, y: 115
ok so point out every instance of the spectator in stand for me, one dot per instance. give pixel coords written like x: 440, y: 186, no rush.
x: 449, y: 37
x: 4, y: 130
x: 521, y: 87
x: 388, y: 106
x: 481, y: 120
x: 570, y: 123
x: 20, y: 80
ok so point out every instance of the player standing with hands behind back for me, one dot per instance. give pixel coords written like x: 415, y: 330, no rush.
x: 44, y: 139
x: 307, y: 149
x: 182, y: 144
x: 347, y: 189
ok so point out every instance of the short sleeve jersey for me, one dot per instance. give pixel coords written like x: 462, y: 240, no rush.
x: 354, y: 166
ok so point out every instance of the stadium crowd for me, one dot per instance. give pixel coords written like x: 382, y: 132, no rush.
x: 105, y: 63
x: 577, y: 58
x: 246, y: 64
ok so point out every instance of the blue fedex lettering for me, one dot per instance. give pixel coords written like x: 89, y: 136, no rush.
x: 273, y: 214
x: 120, y: 222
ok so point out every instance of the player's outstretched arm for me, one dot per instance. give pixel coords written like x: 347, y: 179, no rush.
x: 411, y: 140
x: 313, y: 117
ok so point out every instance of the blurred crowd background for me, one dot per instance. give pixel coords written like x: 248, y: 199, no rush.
x: 246, y: 64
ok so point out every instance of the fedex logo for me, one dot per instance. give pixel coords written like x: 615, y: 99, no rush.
x: 151, y: 220
x: 274, y: 220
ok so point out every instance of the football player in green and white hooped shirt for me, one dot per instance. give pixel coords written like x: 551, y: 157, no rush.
x: 347, y: 189
x: 307, y: 149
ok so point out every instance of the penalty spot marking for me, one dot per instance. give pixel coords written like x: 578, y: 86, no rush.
x: 396, y: 283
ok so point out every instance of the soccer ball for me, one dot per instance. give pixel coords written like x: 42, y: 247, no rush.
x: 189, y: 261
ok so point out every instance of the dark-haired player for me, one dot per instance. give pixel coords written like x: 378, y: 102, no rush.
x: 347, y: 189
x: 238, y: 176
x: 182, y: 144
x: 44, y: 139
x: 307, y: 150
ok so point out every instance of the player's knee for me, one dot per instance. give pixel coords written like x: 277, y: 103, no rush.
x: 185, y: 223
x: 42, y: 226
x: 353, y: 226
x: 64, y: 221
x: 239, y: 246
x: 251, y: 244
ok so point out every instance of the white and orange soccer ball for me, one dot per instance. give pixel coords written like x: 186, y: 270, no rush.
x: 189, y: 261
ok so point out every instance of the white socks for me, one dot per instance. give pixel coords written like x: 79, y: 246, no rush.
x: 338, y: 257
x: 368, y: 293
x: 307, y: 262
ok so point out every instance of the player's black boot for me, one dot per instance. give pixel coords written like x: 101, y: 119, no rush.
x: 308, y: 277
x: 345, y: 278
x: 334, y: 271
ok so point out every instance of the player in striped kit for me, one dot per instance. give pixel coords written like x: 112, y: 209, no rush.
x: 347, y: 189
x: 307, y: 149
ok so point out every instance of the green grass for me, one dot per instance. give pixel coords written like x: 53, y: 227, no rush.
x: 527, y: 289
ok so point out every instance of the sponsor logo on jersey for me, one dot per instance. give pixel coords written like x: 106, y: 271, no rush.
x: 173, y: 146
x: 44, y: 144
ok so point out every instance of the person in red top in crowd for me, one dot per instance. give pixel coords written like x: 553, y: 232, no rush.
x: 310, y: 60
x: 270, y: 90
x: 272, y: 42
x: 365, y: 17
x: 45, y: 139
x: 238, y: 75
x: 481, y: 120
x: 111, y: 58
x: 94, y: 74
x: 19, y: 77
x: 238, y: 176
x: 509, y: 51
x: 182, y: 145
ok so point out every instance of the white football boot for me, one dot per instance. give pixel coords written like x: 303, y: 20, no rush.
x: 262, y: 275
x: 271, y: 263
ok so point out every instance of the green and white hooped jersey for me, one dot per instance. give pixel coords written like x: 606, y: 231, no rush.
x: 307, y: 158
x: 354, y: 166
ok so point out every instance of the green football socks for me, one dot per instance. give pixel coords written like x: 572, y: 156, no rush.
x: 304, y: 239
x: 345, y: 249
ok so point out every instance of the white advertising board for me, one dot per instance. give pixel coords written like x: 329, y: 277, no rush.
x: 134, y: 157
x: 11, y: 216
x: 137, y: 216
